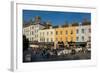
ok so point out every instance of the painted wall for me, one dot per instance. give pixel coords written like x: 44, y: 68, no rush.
x: 83, y: 33
x: 46, y: 35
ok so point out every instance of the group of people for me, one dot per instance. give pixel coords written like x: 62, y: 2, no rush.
x: 37, y: 54
x: 44, y: 54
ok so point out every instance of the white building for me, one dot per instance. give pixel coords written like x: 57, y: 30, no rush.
x: 83, y: 33
x: 31, y: 29
x: 26, y: 31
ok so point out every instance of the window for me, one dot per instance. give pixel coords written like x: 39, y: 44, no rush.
x: 61, y: 32
x: 32, y: 39
x: 89, y: 38
x: 51, y: 32
x: 56, y: 32
x: 32, y: 32
x: 47, y: 33
x: 66, y: 32
x: 40, y: 40
x: 51, y: 40
x: 77, y: 31
x: 71, y: 32
x: 44, y: 39
x: 77, y: 38
x: 82, y: 38
x: 82, y: 30
x: 89, y: 30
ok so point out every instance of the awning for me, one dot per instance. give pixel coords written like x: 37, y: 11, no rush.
x: 34, y: 46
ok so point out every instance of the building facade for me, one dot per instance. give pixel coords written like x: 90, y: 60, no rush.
x: 71, y: 34
x: 83, y: 33
x: 35, y: 31
x: 65, y: 34
x: 31, y: 29
x: 77, y: 33
x: 27, y: 31
x: 46, y: 35
x: 61, y: 34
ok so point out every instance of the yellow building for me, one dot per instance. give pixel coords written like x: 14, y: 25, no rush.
x: 61, y: 34
x: 65, y: 34
x: 71, y: 34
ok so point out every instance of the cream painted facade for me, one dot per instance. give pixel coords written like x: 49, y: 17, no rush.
x: 31, y: 31
x: 26, y: 31
x: 46, y: 35
x: 37, y: 33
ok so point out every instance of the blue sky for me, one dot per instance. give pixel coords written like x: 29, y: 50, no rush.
x: 56, y: 18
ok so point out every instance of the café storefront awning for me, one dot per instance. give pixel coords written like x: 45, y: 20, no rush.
x: 82, y: 44
x: 43, y: 43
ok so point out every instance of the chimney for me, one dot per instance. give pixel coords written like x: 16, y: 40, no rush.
x: 50, y: 27
x: 59, y: 26
x: 80, y: 24
x: 69, y: 25
x: 37, y: 19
